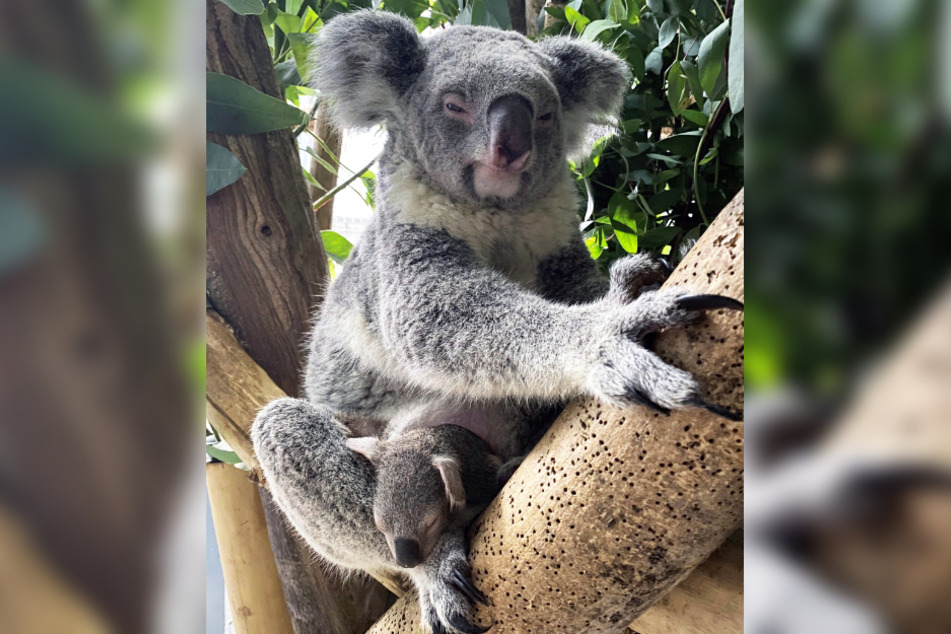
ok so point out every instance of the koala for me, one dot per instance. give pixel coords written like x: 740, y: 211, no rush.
x: 428, y: 481
x: 471, y: 298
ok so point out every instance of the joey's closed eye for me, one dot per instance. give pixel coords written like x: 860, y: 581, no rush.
x: 451, y: 107
x: 546, y: 117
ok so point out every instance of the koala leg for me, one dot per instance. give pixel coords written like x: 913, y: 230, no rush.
x: 324, y: 489
x: 446, y: 593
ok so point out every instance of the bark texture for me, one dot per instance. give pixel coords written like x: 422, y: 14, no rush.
x: 266, y: 270
x: 615, y: 507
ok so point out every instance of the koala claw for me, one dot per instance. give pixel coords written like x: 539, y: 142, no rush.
x: 717, y: 409
x: 708, y: 302
x: 637, y: 395
x: 465, y: 585
x: 460, y: 623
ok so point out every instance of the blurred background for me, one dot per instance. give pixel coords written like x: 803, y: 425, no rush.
x: 848, y: 307
x: 101, y: 316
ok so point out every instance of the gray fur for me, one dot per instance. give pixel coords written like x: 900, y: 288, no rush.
x: 458, y: 309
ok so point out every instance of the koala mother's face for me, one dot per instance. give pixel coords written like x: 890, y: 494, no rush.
x: 484, y: 118
x: 486, y: 115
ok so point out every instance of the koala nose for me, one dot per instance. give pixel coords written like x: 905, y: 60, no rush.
x: 511, y: 127
x: 407, y: 552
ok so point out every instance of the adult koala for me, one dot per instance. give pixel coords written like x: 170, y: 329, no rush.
x: 471, y: 298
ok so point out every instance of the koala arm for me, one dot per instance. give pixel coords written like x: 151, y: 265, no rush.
x: 450, y: 324
x: 453, y: 325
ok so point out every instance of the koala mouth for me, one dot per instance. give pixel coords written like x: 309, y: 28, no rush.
x: 500, y: 182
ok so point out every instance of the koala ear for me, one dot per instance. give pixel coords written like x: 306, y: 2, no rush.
x: 452, y: 480
x: 592, y: 83
x: 364, y: 62
x: 369, y: 447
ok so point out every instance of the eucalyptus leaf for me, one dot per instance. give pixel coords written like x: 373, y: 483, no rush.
x: 695, y: 116
x: 302, y: 44
x: 336, y: 246
x: 659, y: 236
x: 221, y: 168
x: 576, y: 19
x: 245, y: 7
x: 596, y: 28
x: 677, y: 94
x: 735, y: 71
x: 233, y: 107
x: 710, y: 58
x: 668, y: 31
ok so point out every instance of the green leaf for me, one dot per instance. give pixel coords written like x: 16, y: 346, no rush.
x: 499, y: 10
x: 233, y: 107
x: 695, y: 116
x: 668, y: 31
x: 596, y: 28
x: 623, y: 220
x: 336, y: 246
x: 224, y: 455
x: 301, y: 46
x: 245, y: 7
x: 287, y: 73
x: 576, y: 19
x: 735, y: 71
x: 659, y: 237
x: 677, y: 94
x: 596, y: 243
x: 656, y: 6
x: 655, y: 61
x: 287, y: 22
x: 683, y: 144
x: 618, y: 11
x: 693, y: 79
x: 662, y: 177
x: 635, y: 59
x: 710, y: 58
x: 221, y: 168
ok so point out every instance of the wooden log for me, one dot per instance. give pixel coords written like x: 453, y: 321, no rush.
x: 254, y: 589
x: 709, y: 601
x: 266, y: 270
x: 614, y: 507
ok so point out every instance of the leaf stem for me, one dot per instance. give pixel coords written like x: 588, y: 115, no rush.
x: 320, y: 202
x: 310, y: 117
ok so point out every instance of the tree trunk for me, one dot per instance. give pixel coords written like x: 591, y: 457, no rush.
x: 615, y: 507
x: 331, y: 137
x: 517, y: 14
x: 266, y: 269
x: 254, y: 589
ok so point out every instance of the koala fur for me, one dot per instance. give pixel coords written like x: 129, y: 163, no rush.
x: 471, y: 299
x: 430, y: 480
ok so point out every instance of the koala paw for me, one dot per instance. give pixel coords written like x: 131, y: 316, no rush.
x: 629, y: 374
x: 656, y: 310
x: 447, y: 601
x: 633, y: 274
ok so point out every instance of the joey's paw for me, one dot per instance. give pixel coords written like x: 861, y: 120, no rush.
x: 449, y: 601
x: 633, y: 274
x: 628, y: 374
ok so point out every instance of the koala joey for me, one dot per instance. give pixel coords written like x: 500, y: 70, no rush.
x: 428, y: 481
x: 471, y: 297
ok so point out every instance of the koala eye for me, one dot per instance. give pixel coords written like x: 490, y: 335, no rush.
x: 546, y: 117
x: 451, y: 107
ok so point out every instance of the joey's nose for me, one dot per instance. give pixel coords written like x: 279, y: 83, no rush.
x: 407, y: 552
x: 511, y: 127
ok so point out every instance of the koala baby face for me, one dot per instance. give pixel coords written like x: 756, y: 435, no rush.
x: 486, y: 116
x: 416, y: 493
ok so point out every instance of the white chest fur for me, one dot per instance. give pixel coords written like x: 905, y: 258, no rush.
x: 511, y: 242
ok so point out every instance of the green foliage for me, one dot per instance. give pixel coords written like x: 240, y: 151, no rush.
x: 245, y: 7
x: 678, y: 156
x: 336, y: 246
x: 233, y: 107
x: 221, y: 168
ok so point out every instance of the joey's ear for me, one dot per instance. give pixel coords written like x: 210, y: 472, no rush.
x: 369, y: 447
x: 592, y: 83
x: 364, y: 62
x: 452, y: 480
